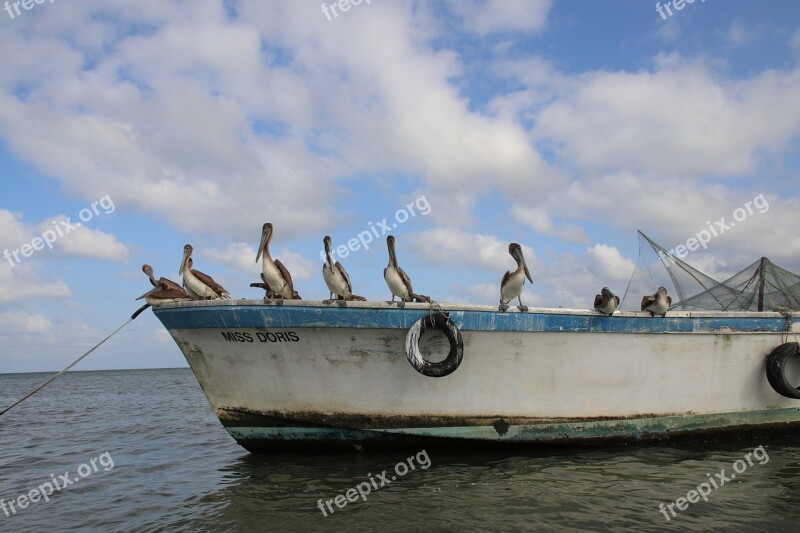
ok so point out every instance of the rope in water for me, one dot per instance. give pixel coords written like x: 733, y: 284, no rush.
x: 75, y: 362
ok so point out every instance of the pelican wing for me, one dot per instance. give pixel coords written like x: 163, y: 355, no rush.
x: 285, y: 273
x: 170, y: 292
x: 344, y: 275
x: 598, y: 300
x: 647, y: 301
x: 669, y: 300
x: 505, y: 278
x: 616, y: 299
x: 209, y: 281
x: 170, y: 284
x: 407, y: 283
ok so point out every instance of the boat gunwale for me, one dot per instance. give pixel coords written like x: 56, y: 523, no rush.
x: 443, y: 306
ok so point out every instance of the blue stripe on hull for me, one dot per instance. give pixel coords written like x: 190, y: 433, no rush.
x: 271, y: 316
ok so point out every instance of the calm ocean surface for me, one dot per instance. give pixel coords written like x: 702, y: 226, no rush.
x: 175, y: 468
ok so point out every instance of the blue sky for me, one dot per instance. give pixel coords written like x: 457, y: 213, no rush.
x: 564, y: 126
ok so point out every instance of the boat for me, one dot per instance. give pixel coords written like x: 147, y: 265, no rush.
x: 300, y: 375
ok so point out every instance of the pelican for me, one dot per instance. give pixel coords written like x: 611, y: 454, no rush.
x: 201, y: 285
x: 147, y: 269
x: 396, y: 278
x: 165, y: 291
x: 606, y: 302
x: 275, y: 275
x: 511, y: 285
x: 657, y: 304
x: 336, y: 277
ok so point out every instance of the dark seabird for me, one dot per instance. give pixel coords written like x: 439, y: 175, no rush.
x: 657, y: 304
x: 606, y: 302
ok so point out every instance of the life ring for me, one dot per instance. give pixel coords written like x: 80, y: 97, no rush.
x: 776, y: 361
x: 445, y: 325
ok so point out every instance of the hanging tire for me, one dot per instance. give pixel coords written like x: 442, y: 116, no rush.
x: 776, y: 363
x: 445, y: 325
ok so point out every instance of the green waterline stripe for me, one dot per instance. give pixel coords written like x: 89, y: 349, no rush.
x: 595, y: 429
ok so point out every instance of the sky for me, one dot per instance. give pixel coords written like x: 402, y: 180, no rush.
x: 457, y: 125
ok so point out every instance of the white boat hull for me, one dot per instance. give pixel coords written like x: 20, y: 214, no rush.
x: 302, y: 373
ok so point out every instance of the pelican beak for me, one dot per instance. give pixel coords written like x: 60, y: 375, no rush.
x: 525, y: 266
x: 390, y: 246
x: 265, y: 233
x: 183, y: 261
x: 148, y: 293
x: 518, y: 255
x: 327, y: 242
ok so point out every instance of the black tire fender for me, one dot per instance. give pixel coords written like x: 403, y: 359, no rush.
x: 776, y: 363
x: 443, y: 368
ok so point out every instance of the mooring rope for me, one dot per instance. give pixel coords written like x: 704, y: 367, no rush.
x: 78, y: 360
x: 433, y: 303
x: 635, y: 267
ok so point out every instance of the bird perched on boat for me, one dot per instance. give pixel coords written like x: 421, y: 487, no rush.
x: 201, y: 285
x: 398, y: 281
x: 512, y: 282
x: 606, y: 302
x: 336, y: 277
x: 165, y: 291
x: 147, y: 269
x: 275, y: 275
x: 263, y: 285
x: 657, y: 304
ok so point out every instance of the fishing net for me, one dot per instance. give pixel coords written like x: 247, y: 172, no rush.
x: 762, y: 286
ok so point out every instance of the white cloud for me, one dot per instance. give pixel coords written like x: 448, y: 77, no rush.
x: 680, y: 119
x: 84, y: 241
x: 538, y: 219
x: 20, y: 283
x: 238, y: 255
x: 607, y: 262
x: 464, y: 249
x: 198, y: 118
x: 68, y: 238
x: 20, y: 322
x: 300, y: 267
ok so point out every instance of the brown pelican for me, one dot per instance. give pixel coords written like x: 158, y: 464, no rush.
x: 165, y: 291
x: 606, y: 302
x: 657, y: 304
x: 202, y: 285
x: 336, y: 277
x: 396, y: 278
x: 147, y: 269
x: 276, y: 276
x: 511, y: 285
